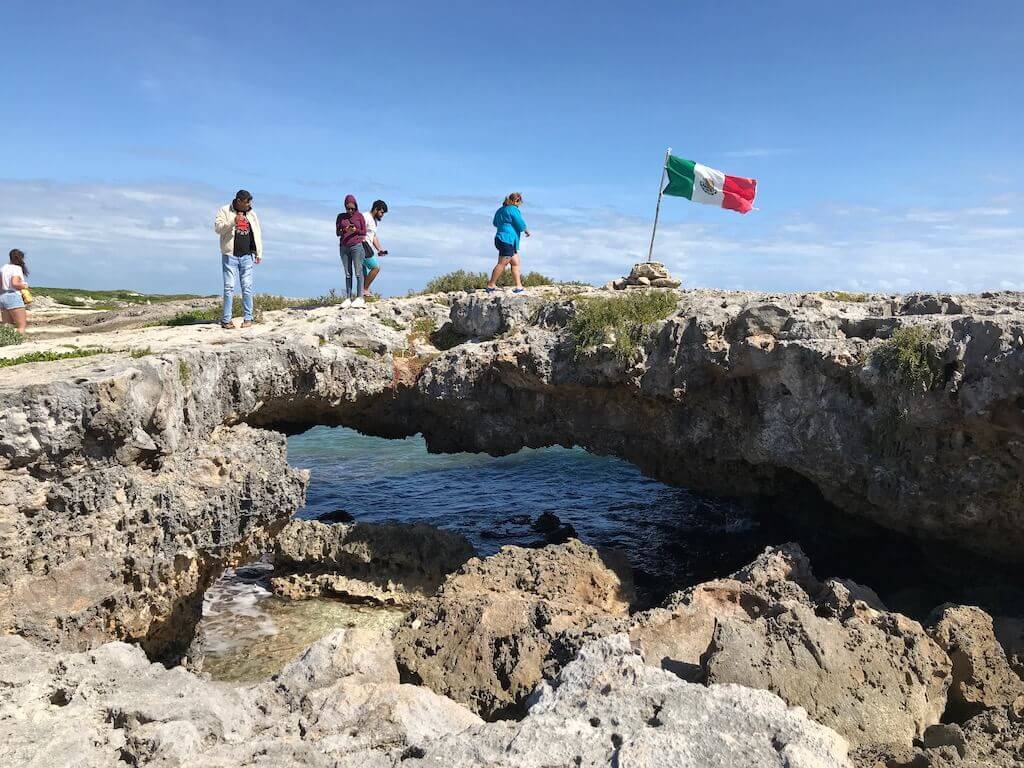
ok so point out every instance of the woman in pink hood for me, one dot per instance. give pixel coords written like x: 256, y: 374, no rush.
x: 351, y: 228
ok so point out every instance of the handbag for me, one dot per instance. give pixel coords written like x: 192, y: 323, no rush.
x: 26, y: 295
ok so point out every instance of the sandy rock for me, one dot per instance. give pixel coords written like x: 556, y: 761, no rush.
x: 390, y: 563
x: 649, y: 270
x: 665, y: 282
x: 981, y: 676
x: 485, y: 639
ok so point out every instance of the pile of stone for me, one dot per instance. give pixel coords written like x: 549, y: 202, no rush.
x: 646, y: 274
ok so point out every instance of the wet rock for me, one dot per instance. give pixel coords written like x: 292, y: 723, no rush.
x: 485, y: 639
x: 981, y: 676
x: 389, y: 563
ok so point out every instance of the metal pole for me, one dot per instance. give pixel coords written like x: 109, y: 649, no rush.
x: 657, y: 209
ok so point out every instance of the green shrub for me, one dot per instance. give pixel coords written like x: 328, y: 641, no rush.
x: 625, y: 318
x: 461, y: 280
x: 365, y: 352
x: 141, y: 352
x: 910, y: 357
x: 846, y: 296
x: 79, y: 298
x: 9, y: 336
x: 47, y: 357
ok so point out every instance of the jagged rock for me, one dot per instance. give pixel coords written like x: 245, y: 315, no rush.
x: 992, y: 739
x: 485, y: 639
x: 340, y: 700
x: 390, y: 563
x: 981, y: 676
x: 642, y: 281
x: 873, y: 676
x: 127, y: 551
x: 339, y: 704
x: 931, y: 304
x: 484, y: 316
x: 608, y: 708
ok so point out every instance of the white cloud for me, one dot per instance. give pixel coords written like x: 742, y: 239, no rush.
x: 160, y: 238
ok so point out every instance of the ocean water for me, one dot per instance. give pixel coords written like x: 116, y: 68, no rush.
x: 673, y: 537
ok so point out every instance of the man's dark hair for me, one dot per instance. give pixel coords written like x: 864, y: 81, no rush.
x: 18, y: 257
x: 379, y: 205
x: 243, y: 195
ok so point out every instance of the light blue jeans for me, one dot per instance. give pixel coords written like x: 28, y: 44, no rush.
x: 352, y: 262
x: 240, y: 267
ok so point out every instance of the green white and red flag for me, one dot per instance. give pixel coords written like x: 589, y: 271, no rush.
x: 701, y: 184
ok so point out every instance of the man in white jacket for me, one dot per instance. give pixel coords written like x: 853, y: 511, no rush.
x: 241, y: 247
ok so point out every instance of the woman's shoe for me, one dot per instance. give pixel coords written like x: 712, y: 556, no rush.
x: 490, y: 290
x: 346, y: 303
x: 518, y: 290
x: 247, y: 324
x: 359, y: 301
x: 228, y: 326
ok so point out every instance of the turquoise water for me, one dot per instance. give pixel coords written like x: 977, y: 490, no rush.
x: 673, y: 537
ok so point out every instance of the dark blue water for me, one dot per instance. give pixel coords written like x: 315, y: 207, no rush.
x: 673, y: 537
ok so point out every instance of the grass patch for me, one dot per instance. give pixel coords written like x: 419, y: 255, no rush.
x: 910, y: 357
x: 461, y: 280
x: 141, y: 352
x: 365, y: 352
x: 183, y: 372
x: 390, y: 322
x: 621, y: 320
x: 846, y: 296
x: 9, y: 336
x: 79, y: 297
x: 49, y: 357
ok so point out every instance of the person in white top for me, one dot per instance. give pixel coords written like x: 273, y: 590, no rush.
x: 12, y: 281
x: 371, y: 265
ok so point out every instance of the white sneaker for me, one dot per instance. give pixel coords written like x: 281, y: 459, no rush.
x: 346, y: 303
x: 358, y: 301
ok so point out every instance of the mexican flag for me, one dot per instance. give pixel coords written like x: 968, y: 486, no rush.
x: 701, y: 184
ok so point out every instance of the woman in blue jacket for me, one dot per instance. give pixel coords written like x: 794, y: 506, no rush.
x: 509, y: 223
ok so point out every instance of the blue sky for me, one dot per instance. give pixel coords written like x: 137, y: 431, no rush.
x: 886, y: 138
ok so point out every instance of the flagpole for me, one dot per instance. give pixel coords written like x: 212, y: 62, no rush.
x: 657, y: 209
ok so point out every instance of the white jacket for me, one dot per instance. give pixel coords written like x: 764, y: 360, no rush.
x: 224, y: 225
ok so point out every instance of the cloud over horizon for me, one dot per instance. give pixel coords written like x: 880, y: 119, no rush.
x: 159, y: 237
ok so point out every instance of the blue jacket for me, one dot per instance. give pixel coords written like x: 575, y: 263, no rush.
x: 510, y: 224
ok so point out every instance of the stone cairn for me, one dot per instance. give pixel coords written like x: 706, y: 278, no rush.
x: 646, y: 274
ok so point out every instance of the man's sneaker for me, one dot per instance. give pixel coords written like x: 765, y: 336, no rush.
x: 247, y: 324
x: 228, y: 326
x: 359, y: 301
x: 346, y: 303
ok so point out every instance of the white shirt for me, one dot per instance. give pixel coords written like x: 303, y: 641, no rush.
x: 371, y: 228
x: 8, y: 271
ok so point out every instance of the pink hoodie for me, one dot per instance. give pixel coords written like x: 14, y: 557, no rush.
x: 350, y: 227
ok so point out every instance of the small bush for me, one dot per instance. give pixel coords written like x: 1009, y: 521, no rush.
x: 48, y: 357
x: 911, y: 358
x: 461, y: 280
x: 624, y: 318
x: 846, y: 296
x: 365, y: 352
x: 183, y: 372
x: 141, y: 352
x: 9, y: 336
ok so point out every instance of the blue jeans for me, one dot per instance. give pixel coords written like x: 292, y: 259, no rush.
x: 352, y: 262
x: 240, y: 266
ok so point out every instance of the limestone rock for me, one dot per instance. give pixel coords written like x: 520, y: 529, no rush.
x: 981, y: 676
x: 649, y: 270
x: 608, y: 708
x: 390, y: 563
x: 665, y: 282
x: 485, y: 639
x: 873, y: 676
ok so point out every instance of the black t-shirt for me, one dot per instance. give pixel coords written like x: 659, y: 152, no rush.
x: 244, y: 244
